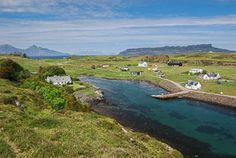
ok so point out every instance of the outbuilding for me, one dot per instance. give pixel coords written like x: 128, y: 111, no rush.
x: 124, y: 69
x: 193, y: 85
x: 174, y: 63
x: 59, y: 80
x: 211, y: 76
x: 136, y: 73
x: 196, y: 71
x: 142, y: 64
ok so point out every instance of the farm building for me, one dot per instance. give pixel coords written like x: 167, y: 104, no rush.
x: 196, y: 71
x: 105, y: 66
x: 124, y: 69
x: 174, y: 63
x: 211, y: 76
x: 142, y: 64
x: 136, y: 73
x: 59, y: 80
x: 193, y: 85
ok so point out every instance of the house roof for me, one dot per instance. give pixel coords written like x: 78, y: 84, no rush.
x: 56, y: 79
x: 212, y: 74
x: 142, y: 62
x: 195, y: 69
x: 175, y: 62
x: 192, y: 83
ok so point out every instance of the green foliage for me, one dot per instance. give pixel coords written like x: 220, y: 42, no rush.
x: 58, y: 97
x: 50, y: 71
x: 12, y: 71
x: 93, y: 67
x: 52, y: 95
x: 5, y: 150
x: 204, y: 72
x: 9, y: 100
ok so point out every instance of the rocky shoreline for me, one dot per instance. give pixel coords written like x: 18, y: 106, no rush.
x: 223, y: 100
x: 91, y: 100
x: 171, y: 87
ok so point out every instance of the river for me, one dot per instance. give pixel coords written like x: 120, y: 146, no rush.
x: 195, y: 128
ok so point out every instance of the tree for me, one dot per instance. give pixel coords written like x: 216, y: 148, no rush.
x: 44, y: 72
x: 93, y: 67
x: 11, y: 70
x: 24, y: 56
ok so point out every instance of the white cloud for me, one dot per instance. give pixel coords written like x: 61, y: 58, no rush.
x: 116, y: 35
x: 64, y: 8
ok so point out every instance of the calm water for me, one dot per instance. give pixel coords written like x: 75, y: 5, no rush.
x: 193, y: 127
x: 49, y: 57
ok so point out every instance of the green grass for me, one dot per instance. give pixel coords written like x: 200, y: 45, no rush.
x: 76, y: 66
x: 40, y: 132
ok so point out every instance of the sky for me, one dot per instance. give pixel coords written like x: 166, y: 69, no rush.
x: 105, y: 27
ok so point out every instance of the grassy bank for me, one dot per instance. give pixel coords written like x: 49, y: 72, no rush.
x: 39, y: 131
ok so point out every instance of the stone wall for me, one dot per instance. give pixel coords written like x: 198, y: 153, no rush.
x: 172, y: 87
x: 169, y: 86
x: 229, y: 101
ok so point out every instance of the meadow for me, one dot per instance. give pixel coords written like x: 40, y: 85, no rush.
x: 81, y: 66
x: 37, y: 130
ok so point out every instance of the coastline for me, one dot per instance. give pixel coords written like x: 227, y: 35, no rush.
x: 176, y: 141
x: 173, y: 87
x: 218, y: 99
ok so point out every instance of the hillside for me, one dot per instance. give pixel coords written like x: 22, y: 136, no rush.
x: 173, y: 50
x: 33, y: 129
x: 32, y: 51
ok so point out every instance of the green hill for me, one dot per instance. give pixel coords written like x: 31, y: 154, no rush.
x: 33, y: 129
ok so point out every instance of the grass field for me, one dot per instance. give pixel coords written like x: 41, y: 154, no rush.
x: 76, y: 66
x: 39, y: 131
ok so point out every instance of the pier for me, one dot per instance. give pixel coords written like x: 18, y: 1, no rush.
x: 171, y: 95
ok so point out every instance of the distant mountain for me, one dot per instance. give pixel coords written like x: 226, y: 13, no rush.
x: 33, y: 51
x: 7, y: 49
x: 173, y: 50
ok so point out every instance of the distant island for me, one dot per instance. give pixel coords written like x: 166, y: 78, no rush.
x: 33, y: 51
x: 173, y: 50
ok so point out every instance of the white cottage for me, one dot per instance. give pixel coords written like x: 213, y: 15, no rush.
x: 196, y: 71
x: 142, y: 64
x: 124, y: 69
x: 59, y: 80
x: 193, y: 85
x: 211, y: 76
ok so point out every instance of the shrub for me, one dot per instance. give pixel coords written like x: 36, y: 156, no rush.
x: 53, y: 95
x: 50, y: 71
x: 12, y: 71
x: 9, y: 100
x: 204, y: 72
x: 58, y: 97
x: 7, y: 91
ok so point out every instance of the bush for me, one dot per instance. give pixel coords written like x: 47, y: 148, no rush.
x: 50, y: 71
x: 12, y: 71
x: 53, y: 95
x: 93, y: 67
x: 9, y: 100
x: 58, y: 97
x: 204, y: 72
x: 7, y: 91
